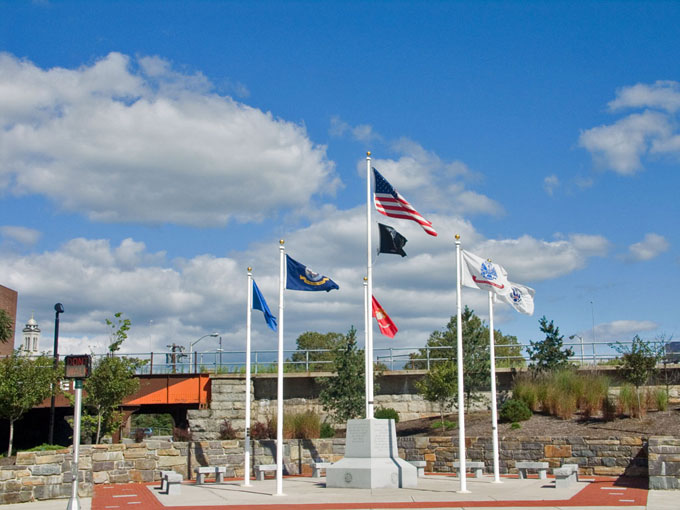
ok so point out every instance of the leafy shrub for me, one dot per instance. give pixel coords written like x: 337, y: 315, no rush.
x: 181, y: 435
x: 386, y: 413
x: 45, y: 447
x: 263, y: 430
x: 514, y: 410
x: 227, y: 431
x: 327, y: 430
x: 608, y: 409
x: 446, y: 424
x: 515, y: 426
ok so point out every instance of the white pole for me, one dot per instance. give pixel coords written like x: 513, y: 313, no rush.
x: 461, y: 392
x: 494, y: 415
x: 249, y: 311
x: 74, y: 503
x: 369, y: 275
x: 279, y: 393
x: 367, y: 324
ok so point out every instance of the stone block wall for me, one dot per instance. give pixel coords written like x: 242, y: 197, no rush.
x: 605, y: 457
x: 47, y: 475
x: 664, y: 462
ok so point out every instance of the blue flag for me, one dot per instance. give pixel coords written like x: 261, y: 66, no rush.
x: 260, y: 304
x: 299, y: 277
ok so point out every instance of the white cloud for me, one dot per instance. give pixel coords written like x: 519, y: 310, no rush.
x: 664, y: 95
x: 621, y: 330
x: 134, y: 140
x: 180, y: 300
x: 22, y: 235
x: 620, y: 146
x: 651, y: 246
x: 422, y: 177
x: 550, y: 184
x: 361, y: 132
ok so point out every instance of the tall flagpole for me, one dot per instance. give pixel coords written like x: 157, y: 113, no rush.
x: 279, y: 393
x: 369, y: 276
x: 367, y: 324
x: 249, y: 310
x: 461, y: 393
x: 494, y: 415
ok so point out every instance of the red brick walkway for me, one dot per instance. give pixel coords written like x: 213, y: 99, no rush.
x: 602, y: 492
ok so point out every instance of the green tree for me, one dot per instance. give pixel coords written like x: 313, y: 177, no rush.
x: 638, y: 363
x: 548, y: 354
x: 24, y: 383
x: 6, y: 326
x: 440, y: 385
x: 476, y: 351
x: 342, y: 396
x: 311, y: 340
x: 112, y: 379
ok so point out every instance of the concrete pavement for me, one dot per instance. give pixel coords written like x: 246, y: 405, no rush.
x: 433, y: 492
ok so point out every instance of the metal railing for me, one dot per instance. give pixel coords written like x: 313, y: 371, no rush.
x: 390, y: 358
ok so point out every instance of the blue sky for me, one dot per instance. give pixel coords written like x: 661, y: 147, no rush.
x: 152, y: 151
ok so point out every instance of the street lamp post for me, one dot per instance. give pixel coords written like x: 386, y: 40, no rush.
x: 581, y: 339
x: 58, y: 308
x: 191, y: 346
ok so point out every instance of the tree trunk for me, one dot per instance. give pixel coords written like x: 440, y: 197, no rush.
x: 11, y: 437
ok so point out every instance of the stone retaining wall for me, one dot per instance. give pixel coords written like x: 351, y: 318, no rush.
x: 47, y: 475
x: 664, y: 462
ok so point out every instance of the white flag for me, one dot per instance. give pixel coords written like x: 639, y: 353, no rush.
x: 521, y: 298
x: 479, y: 273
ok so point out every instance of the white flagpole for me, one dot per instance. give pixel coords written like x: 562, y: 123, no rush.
x: 279, y: 393
x: 494, y: 415
x: 367, y: 324
x: 249, y: 310
x: 461, y: 392
x: 369, y: 275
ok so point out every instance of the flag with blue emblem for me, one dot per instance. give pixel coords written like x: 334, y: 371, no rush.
x: 260, y: 304
x: 521, y: 298
x: 300, y: 277
x: 479, y: 273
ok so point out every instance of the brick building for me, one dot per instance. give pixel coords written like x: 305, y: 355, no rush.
x: 8, y: 302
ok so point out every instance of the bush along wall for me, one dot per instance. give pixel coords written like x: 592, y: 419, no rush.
x: 47, y: 475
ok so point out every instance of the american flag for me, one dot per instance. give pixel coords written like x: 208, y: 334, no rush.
x: 389, y: 202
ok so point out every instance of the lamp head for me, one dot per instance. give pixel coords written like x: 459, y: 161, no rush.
x: 59, y: 308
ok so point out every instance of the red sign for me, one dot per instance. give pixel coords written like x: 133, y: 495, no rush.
x: 77, y: 366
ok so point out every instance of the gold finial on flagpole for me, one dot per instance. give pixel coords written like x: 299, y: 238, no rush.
x: 281, y: 241
x: 365, y: 278
x: 368, y: 153
x: 250, y: 269
x: 457, y: 237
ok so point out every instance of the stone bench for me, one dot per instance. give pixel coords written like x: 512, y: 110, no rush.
x: 540, y: 467
x: 420, y: 466
x: 477, y: 466
x: 318, y: 466
x: 164, y: 480
x: 262, y: 469
x: 565, y: 475
x: 201, y: 471
x: 173, y: 483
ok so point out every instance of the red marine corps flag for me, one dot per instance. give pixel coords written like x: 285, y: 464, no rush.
x: 385, y: 324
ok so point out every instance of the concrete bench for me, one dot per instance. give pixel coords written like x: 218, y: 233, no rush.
x: 201, y: 471
x: 477, y: 466
x: 565, y: 475
x: 173, y: 483
x: 540, y: 467
x: 318, y: 466
x: 420, y: 466
x: 262, y: 469
x: 164, y: 480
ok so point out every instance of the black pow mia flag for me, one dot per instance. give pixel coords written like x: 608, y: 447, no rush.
x: 391, y: 241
